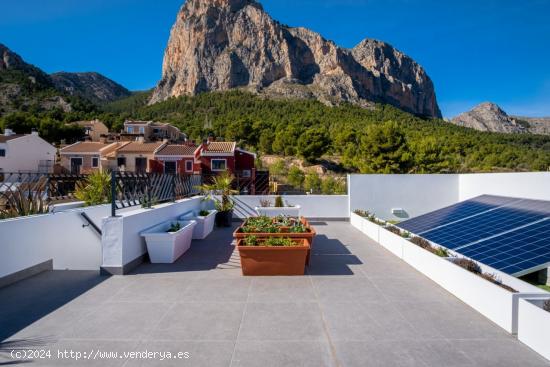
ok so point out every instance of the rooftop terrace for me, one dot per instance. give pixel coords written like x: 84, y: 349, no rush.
x: 359, y: 305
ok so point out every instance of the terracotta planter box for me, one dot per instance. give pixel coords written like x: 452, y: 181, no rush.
x: 308, y: 236
x: 272, y: 261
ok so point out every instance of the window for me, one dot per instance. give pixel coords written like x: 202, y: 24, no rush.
x: 2, y: 152
x: 121, y: 161
x: 246, y: 173
x: 142, y: 130
x: 219, y: 164
x: 130, y: 130
x: 95, y: 162
x: 188, y: 166
x: 170, y: 167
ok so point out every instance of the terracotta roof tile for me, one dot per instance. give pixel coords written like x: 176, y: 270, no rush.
x: 138, y: 147
x: 177, y: 150
x: 221, y: 147
x: 84, y: 147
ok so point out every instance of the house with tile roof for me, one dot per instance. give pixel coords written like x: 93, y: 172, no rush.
x: 25, y: 153
x: 214, y: 157
x: 152, y: 131
x: 95, y: 130
x: 87, y: 156
x: 139, y: 156
x: 177, y: 158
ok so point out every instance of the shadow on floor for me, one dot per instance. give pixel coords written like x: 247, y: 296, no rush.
x: 214, y: 252
x: 331, y: 257
x: 29, y: 300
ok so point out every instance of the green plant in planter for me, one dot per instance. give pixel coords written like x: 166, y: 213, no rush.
x: 221, y: 185
x: 149, y: 204
x: 298, y: 228
x: 24, y: 201
x: 279, y: 202
x: 259, y: 221
x: 96, y: 189
x: 279, y: 242
x: 251, y: 241
x: 441, y: 252
x: 204, y: 213
x: 174, y: 227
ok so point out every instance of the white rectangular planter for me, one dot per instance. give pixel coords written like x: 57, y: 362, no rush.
x: 534, y: 326
x: 372, y: 230
x: 164, y: 247
x: 205, y: 225
x: 391, y: 241
x: 289, y: 211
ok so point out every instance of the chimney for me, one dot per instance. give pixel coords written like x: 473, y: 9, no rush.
x: 103, y: 139
x: 140, y: 139
x: 34, y: 132
x: 204, y: 144
x: 8, y: 132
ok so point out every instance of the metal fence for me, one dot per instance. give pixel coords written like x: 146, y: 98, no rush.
x: 148, y: 189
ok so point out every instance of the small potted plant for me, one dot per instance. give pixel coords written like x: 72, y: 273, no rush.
x: 221, y: 185
x: 273, y: 256
x: 278, y: 209
x: 166, y: 242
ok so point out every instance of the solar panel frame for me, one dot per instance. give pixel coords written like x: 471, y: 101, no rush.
x: 454, y: 213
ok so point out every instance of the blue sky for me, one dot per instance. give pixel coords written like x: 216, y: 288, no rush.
x: 475, y: 51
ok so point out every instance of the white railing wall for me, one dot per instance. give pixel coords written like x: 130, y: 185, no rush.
x: 312, y: 206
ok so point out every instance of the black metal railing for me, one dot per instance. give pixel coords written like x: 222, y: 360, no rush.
x: 147, y: 189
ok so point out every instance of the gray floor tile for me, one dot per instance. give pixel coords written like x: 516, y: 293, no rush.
x: 282, y: 321
x: 281, y: 289
x: 355, y: 321
x: 217, y: 290
x: 341, y: 289
x: 200, y: 322
x: 282, y: 354
x: 378, y: 354
x: 152, y: 290
x: 188, y: 353
x: 122, y: 320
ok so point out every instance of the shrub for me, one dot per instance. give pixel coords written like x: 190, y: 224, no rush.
x: 96, y: 190
x: 495, y: 280
x: 362, y: 213
x: 394, y: 229
x: 174, y: 227
x: 469, y: 265
x: 279, y: 242
x: 251, y: 241
x: 441, y: 252
x: 419, y: 241
x: 546, y: 305
x: 204, y: 213
x: 265, y: 203
x: 279, y: 202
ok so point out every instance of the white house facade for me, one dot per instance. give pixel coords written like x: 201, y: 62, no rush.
x: 25, y: 153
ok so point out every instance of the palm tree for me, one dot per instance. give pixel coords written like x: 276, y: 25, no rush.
x: 221, y: 185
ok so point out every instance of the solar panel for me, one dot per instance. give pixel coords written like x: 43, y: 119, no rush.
x: 516, y: 251
x: 454, y: 213
x: 508, y: 234
x: 490, y: 223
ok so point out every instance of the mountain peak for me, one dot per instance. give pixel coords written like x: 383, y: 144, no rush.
x: 218, y: 45
x: 489, y: 116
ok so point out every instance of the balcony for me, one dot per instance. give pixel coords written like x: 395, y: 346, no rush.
x: 359, y: 305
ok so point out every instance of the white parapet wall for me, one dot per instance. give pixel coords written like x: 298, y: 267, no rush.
x: 415, y: 194
x: 534, y: 326
x: 312, y: 206
x: 65, y: 238
x: 529, y: 185
x: 122, y: 243
x: 420, y: 194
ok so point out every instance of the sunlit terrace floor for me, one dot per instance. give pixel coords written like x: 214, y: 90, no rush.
x: 359, y: 306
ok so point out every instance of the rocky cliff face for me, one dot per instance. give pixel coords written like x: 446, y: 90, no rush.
x: 92, y: 86
x: 490, y: 117
x: 218, y: 45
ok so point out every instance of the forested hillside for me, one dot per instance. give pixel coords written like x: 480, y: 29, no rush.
x: 384, y: 139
